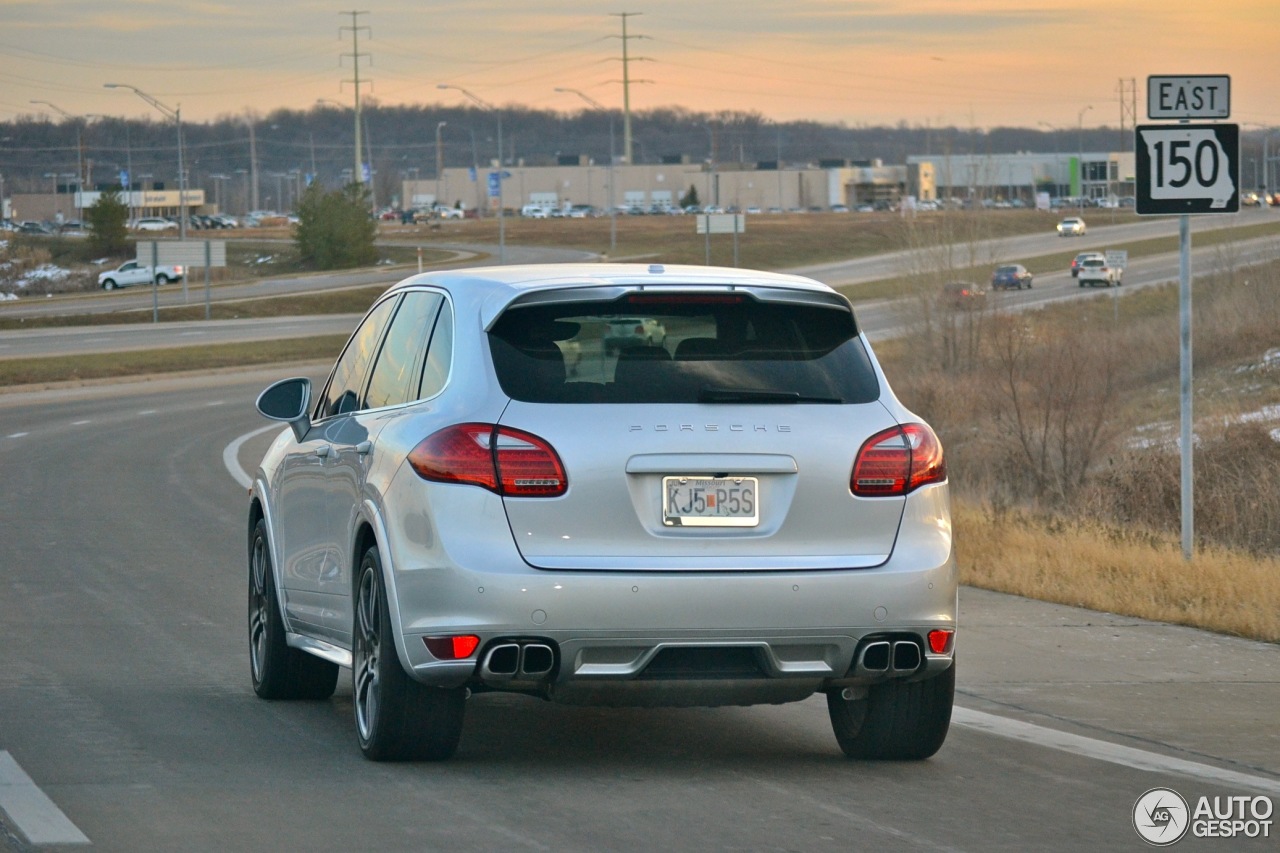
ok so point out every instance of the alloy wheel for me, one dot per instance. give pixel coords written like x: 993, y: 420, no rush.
x: 367, y: 655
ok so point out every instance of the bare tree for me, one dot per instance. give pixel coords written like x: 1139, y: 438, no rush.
x: 1052, y: 400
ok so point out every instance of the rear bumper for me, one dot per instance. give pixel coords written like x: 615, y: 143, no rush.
x: 614, y: 634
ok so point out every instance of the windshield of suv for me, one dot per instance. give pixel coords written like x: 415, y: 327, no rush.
x: 682, y: 348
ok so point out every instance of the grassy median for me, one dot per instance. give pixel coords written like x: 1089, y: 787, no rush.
x: 82, y: 368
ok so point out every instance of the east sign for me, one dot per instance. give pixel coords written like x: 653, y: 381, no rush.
x: 1189, y: 97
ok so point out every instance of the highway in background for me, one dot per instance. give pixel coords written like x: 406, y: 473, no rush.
x: 877, y: 318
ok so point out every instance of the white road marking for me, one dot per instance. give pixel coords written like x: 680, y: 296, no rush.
x: 31, y: 810
x: 1139, y: 759
x: 147, y: 412
x: 17, y: 434
x: 231, y: 455
x: 80, y: 423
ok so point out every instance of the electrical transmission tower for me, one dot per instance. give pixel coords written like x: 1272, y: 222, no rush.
x: 357, y: 176
x: 1128, y: 109
x: 626, y: 83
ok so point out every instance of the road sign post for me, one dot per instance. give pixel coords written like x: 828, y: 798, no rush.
x: 1183, y: 169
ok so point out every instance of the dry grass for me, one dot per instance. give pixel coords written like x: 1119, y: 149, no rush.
x: 769, y: 241
x: 1089, y: 564
x: 1063, y: 458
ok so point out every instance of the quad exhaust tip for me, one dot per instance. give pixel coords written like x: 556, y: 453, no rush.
x: 889, y: 658
x: 518, y: 661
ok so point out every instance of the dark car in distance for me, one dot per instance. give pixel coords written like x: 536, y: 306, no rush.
x: 1011, y: 277
x: 963, y: 296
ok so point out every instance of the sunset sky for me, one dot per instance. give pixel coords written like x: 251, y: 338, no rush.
x: 968, y: 63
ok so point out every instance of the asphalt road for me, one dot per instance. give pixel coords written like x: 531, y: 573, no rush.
x: 991, y: 252
x: 127, y: 720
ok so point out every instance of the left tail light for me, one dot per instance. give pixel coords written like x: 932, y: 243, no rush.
x: 509, y: 462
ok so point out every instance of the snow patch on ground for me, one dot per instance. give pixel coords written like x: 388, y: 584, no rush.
x: 1165, y: 434
x: 42, y: 273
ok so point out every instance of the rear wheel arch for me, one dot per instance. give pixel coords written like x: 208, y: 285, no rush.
x: 365, y: 539
x: 256, y: 514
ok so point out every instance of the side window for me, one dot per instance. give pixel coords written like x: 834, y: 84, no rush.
x: 435, y: 372
x: 342, y: 395
x: 392, y: 380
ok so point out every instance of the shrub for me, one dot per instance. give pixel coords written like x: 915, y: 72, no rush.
x: 107, y: 221
x: 335, y: 230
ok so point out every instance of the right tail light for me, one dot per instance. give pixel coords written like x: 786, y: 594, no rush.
x: 896, y: 461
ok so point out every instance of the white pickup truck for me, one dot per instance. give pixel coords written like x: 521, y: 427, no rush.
x: 132, y: 272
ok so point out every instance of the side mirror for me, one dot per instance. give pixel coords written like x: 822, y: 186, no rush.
x: 288, y: 400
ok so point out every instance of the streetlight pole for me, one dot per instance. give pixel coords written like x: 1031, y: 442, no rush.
x: 174, y: 113
x: 613, y: 208
x: 439, y: 158
x: 713, y: 195
x: 218, y: 181
x: 502, y: 234
x: 1080, y: 151
x: 79, y: 149
x: 1057, y: 156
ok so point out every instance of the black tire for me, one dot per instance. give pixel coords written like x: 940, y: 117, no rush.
x: 162, y: 279
x: 278, y: 671
x: 108, y: 285
x: 897, y: 721
x: 397, y: 718
x: 1029, y: 281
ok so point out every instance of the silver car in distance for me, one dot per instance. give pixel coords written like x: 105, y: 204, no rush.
x: 489, y: 494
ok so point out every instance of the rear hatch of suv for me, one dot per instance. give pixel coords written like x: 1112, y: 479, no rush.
x: 728, y: 445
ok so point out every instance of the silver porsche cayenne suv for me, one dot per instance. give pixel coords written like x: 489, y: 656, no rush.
x: 485, y: 496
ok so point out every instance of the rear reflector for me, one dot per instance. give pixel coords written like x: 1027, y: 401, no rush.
x: 940, y: 640
x: 510, y: 462
x: 897, y: 461
x: 452, y: 648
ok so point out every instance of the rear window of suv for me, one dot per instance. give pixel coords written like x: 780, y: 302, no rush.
x: 682, y: 348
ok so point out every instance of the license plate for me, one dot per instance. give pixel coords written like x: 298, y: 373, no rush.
x: 710, y: 501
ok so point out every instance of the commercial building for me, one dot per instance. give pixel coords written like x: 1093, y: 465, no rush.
x: 66, y: 206
x: 1009, y: 177
x: 743, y: 186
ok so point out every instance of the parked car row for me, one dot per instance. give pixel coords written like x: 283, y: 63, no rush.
x: 195, y: 221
